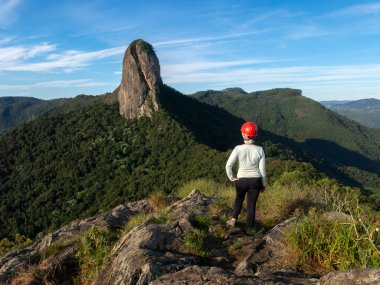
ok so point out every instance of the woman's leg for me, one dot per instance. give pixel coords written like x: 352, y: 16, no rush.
x: 252, y: 196
x: 241, y: 189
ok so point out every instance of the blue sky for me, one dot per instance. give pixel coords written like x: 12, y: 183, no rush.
x: 329, y: 49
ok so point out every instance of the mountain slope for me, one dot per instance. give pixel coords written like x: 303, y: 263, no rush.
x: 340, y: 142
x: 16, y: 110
x: 365, y: 111
x: 58, y: 168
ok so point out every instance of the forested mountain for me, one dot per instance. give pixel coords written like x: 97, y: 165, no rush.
x: 15, y: 110
x: 91, y: 153
x: 58, y: 168
x: 339, y: 142
x: 365, y: 111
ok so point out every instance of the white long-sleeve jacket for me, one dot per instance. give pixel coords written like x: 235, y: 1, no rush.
x: 251, y: 162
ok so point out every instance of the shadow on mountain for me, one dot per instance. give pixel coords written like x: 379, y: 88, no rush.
x: 347, y: 157
x: 219, y: 129
x: 212, y: 126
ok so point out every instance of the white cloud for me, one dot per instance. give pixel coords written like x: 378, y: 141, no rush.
x: 191, y: 41
x: 17, y: 58
x: 358, y: 10
x: 76, y: 83
x: 11, y: 55
x: 189, y: 67
x: 307, y: 32
x: 70, y: 83
x: 7, y: 14
x: 297, y: 75
x: 14, y: 87
x: 6, y: 40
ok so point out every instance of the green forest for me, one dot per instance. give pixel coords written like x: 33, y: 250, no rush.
x: 334, y: 144
x: 74, y: 165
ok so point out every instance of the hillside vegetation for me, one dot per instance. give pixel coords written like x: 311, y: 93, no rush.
x: 315, y: 226
x: 62, y: 167
x: 340, y: 143
x: 16, y: 110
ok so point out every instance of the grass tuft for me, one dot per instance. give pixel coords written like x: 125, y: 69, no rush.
x: 236, y: 245
x: 333, y: 244
x: 195, y: 242
x: 202, y: 222
x: 59, y: 245
x: 94, y: 251
x: 158, y: 200
x: 133, y: 222
x: 208, y: 187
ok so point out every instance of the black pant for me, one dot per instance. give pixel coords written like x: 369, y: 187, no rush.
x: 251, y: 187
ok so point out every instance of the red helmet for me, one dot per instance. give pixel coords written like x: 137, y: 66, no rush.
x: 249, y: 129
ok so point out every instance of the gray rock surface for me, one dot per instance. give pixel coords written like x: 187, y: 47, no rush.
x: 151, y: 250
x: 366, y: 276
x: 20, y: 260
x: 154, y: 253
x: 141, y: 79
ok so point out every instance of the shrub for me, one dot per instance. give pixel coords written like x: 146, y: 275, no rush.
x: 94, y: 252
x: 19, y: 242
x: 335, y: 245
x: 278, y: 201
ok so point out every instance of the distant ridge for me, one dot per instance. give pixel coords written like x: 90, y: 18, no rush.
x: 336, y: 140
x: 17, y: 110
x: 370, y: 103
x: 364, y: 111
x: 335, y: 102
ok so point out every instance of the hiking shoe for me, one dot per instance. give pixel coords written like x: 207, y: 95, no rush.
x: 231, y: 223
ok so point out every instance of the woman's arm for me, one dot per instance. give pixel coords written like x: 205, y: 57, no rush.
x: 230, y: 162
x: 262, y: 168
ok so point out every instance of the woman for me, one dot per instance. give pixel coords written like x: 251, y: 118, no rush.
x: 250, y: 178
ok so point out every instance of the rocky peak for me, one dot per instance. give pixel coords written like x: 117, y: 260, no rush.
x: 141, y: 79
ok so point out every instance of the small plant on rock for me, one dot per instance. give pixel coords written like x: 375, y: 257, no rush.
x: 133, y: 222
x: 236, y: 245
x: 196, y: 243
x: 94, y: 252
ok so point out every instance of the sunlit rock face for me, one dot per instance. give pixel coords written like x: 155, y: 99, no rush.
x: 141, y: 79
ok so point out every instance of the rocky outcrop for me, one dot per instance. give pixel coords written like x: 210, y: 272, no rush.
x: 155, y: 252
x: 159, y: 251
x: 366, y: 276
x: 140, y: 83
x: 17, y: 261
